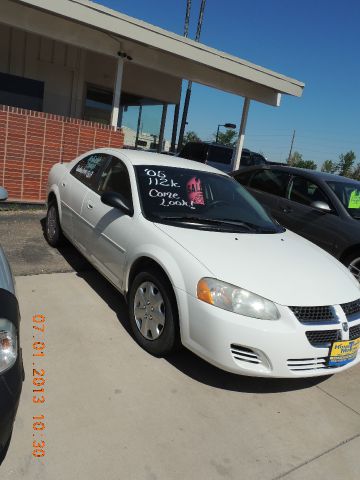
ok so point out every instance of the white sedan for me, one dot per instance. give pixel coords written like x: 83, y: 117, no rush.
x: 202, y: 264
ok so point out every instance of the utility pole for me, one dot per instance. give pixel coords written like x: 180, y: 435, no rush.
x: 177, y: 106
x: 291, y: 147
x: 188, y: 91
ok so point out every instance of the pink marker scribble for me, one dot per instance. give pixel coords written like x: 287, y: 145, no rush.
x: 195, y: 191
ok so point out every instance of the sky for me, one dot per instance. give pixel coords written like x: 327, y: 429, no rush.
x: 314, y: 41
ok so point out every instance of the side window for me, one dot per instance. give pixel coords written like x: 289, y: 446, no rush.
x: 115, y: 178
x: 306, y: 192
x: 87, y: 169
x: 270, y: 181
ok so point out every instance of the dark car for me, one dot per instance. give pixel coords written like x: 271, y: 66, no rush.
x: 11, y: 366
x: 322, y: 207
x: 219, y: 156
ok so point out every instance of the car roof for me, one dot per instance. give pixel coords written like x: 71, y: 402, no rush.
x: 140, y: 157
x: 311, y: 174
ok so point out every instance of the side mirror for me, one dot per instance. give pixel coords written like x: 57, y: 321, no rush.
x: 3, y: 194
x: 116, y: 200
x: 319, y: 205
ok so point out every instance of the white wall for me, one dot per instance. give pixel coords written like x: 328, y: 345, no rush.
x: 58, y: 65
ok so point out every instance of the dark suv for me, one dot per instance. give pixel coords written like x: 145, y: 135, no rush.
x: 219, y: 156
x: 322, y: 207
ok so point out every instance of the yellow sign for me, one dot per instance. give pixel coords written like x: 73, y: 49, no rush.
x: 343, y: 352
x: 354, y: 201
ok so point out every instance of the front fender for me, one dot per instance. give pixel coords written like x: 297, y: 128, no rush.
x: 163, y: 258
x: 184, y: 272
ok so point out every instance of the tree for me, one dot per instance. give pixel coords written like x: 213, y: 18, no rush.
x: 309, y: 164
x: 356, y: 172
x: 329, y: 166
x: 191, y: 137
x: 346, y: 163
x: 227, y: 138
x: 296, y: 160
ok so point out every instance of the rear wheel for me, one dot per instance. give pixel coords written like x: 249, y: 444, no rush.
x: 53, y: 231
x: 153, y: 313
x: 352, y: 262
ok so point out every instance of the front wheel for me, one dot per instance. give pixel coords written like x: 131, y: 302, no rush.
x: 53, y: 230
x: 352, y: 262
x: 153, y: 313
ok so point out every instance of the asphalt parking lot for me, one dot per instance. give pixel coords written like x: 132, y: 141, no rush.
x: 112, y: 411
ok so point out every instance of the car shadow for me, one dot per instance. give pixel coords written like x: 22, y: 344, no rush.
x: 184, y: 360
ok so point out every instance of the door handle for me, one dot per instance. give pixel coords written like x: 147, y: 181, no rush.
x: 90, y: 205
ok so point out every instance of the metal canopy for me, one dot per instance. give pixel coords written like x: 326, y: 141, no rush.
x: 106, y: 31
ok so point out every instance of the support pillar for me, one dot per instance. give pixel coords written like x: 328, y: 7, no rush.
x: 175, y: 127
x: 240, y: 142
x: 162, y: 128
x: 117, y: 93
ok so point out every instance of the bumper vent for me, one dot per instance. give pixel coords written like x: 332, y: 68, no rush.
x: 323, y: 338
x: 351, y: 308
x: 314, y: 314
x: 244, y: 354
x: 354, y: 332
x: 305, y: 364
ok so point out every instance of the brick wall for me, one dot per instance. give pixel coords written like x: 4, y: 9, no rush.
x: 31, y: 142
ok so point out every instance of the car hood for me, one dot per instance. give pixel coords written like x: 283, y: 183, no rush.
x: 282, y: 267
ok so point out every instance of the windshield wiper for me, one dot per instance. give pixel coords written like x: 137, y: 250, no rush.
x: 210, y: 221
x: 257, y: 228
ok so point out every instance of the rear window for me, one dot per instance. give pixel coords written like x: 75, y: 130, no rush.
x: 195, y: 151
x: 270, y: 181
x: 244, y: 178
x: 220, y: 155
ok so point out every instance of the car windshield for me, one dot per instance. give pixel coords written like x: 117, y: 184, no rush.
x: 200, y: 199
x: 349, y: 195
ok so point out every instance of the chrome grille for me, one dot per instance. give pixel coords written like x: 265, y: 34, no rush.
x: 323, y: 338
x: 301, y: 364
x: 354, y: 332
x: 351, y: 308
x: 313, y: 314
x: 244, y: 354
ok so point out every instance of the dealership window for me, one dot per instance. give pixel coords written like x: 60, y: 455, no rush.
x: 98, y: 104
x: 21, y: 92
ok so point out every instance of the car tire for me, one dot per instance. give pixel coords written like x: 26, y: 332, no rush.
x: 53, y: 231
x: 352, y: 262
x: 153, y: 313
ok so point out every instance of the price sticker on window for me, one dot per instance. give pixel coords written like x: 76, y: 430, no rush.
x: 354, y: 201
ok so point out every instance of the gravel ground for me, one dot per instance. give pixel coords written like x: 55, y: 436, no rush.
x: 22, y: 238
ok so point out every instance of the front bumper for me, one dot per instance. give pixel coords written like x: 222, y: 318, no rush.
x: 248, y: 346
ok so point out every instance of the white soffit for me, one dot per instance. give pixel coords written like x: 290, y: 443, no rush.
x: 107, y: 31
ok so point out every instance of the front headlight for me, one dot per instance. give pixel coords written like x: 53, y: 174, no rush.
x: 235, y: 299
x: 8, y: 345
